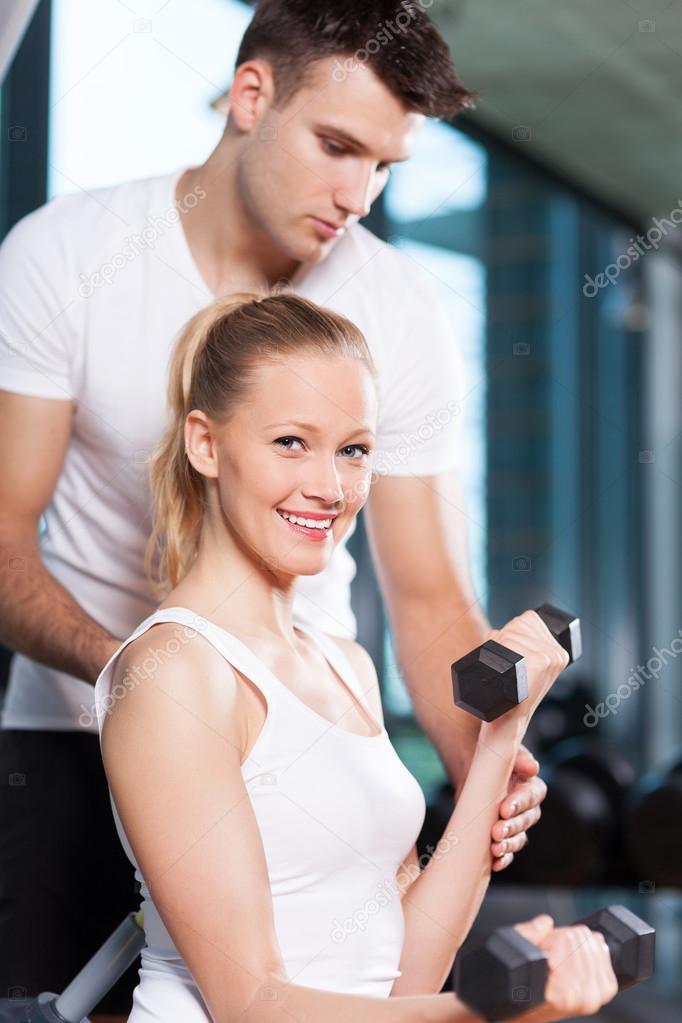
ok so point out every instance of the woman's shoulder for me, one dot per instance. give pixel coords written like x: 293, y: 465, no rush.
x: 169, y: 645
x: 168, y: 661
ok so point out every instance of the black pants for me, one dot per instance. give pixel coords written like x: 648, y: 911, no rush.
x: 65, y: 882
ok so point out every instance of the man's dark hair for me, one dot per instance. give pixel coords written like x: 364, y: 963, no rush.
x: 413, y: 62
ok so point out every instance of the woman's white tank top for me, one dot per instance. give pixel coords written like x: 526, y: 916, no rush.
x: 338, y: 813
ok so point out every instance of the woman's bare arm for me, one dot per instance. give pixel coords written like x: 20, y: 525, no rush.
x: 172, y: 748
x: 441, y: 904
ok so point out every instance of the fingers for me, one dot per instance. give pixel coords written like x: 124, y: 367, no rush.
x: 581, y: 977
x: 537, y: 929
x: 515, y: 825
x: 524, y: 796
x: 525, y: 766
x: 510, y: 845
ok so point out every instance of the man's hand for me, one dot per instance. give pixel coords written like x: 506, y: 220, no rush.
x: 519, y: 810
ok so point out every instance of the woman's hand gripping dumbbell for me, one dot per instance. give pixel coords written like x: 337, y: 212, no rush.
x: 535, y: 972
x: 493, y: 679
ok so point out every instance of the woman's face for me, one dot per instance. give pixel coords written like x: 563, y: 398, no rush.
x: 301, y: 445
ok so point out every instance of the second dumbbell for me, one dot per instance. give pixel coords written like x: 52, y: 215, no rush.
x: 505, y: 975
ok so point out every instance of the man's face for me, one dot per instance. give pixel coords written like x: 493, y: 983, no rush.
x: 311, y: 169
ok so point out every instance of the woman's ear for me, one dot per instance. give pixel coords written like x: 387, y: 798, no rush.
x: 200, y: 444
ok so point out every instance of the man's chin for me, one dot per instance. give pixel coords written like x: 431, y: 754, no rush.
x: 315, y: 249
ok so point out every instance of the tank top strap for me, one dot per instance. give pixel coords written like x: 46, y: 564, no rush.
x: 233, y: 649
x: 338, y: 660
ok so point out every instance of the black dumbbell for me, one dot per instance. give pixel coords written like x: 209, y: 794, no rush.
x: 653, y: 826
x: 587, y: 784
x: 491, y: 679
x: 505, y: 975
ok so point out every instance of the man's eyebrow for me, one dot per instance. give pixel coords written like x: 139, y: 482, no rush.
x: 314, y: 429
x: 342, y: 134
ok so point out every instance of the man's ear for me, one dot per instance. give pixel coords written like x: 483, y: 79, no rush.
x: 251, y: 94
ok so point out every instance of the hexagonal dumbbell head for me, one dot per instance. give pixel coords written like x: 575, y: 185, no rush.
x: 501, y: 977
x: 565, y: 628
x: 489, y: 680
x: 631, y: 943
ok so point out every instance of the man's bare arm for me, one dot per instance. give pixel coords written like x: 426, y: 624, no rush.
x: 38, y: 616
x: 418, y: 536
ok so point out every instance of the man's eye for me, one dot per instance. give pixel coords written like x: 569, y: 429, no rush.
x: 332, y: 148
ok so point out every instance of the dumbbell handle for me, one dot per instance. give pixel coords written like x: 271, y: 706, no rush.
x: 631, y: 944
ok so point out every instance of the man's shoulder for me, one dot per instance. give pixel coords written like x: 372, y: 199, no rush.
x: 90, y: 214
x: 377, y: 265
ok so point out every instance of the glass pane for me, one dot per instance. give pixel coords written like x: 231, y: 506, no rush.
x: 130, y: 90
x: 433, y: 205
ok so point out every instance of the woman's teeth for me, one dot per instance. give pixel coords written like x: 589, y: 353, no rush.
x: 310, y: 523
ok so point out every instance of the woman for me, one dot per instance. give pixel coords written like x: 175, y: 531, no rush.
x: 254, y: 786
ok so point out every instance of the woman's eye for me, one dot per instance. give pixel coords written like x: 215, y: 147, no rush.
x: 362, y: 448
x: 281, y: 440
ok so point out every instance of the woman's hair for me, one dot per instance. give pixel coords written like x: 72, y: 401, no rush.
x: 212, y: 367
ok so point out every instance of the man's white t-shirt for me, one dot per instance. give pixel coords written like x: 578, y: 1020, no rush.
x: 95, y: 288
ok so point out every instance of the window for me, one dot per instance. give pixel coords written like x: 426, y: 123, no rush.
x: 130, y: 93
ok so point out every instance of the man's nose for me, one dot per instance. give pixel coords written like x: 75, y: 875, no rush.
x: 356, y: 196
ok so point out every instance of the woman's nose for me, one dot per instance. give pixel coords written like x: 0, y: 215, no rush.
x: 325, y: 485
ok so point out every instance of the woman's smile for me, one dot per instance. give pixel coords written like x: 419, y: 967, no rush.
x: 321, y: 531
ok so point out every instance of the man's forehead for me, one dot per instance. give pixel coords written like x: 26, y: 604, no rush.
x: 360, y: 107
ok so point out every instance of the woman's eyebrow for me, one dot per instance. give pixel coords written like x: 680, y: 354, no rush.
x: 315, y: 429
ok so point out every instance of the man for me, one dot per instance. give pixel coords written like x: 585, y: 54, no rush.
x: 93, y: 291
